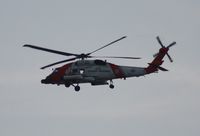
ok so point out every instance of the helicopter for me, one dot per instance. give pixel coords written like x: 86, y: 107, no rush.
x: 82, y: 69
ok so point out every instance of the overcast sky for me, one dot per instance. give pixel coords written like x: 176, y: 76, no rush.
x: 160, y: 104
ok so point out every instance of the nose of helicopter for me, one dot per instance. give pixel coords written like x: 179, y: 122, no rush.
x: 50, y: 79
x: 46, y: 81
x: 43, y: 81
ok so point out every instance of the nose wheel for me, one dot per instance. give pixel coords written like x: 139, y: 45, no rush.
x: 67, y: 85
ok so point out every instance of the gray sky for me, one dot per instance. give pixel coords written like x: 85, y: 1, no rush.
x: 158, y: 104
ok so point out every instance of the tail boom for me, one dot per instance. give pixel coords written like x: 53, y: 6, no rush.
x: 154, y: 66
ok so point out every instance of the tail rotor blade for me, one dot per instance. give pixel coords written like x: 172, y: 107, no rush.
x: 171, y: 60
x: 172, y: 44
x: 159, y: 41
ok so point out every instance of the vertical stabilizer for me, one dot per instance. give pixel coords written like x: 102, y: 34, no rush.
x: 155, y: 65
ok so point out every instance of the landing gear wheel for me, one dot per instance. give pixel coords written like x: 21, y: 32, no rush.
x: 67, y: 85
x: 111, y: 86
x: 77, y: 88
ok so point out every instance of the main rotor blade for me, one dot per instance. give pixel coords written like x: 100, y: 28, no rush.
x: 59, y: 62
x: 159, y: 41
x: 50, y: 50
x: 107, y: 45
x: 115, y: 57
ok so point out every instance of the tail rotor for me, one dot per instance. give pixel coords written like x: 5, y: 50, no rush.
x: 169, y: 46
x: 155, y: 65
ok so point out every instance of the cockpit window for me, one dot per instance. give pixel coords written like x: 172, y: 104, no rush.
x: 99, y: 62
x: 55, y: 71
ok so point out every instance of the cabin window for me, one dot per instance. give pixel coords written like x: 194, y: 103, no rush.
x: 55, y: 71
x: 74, y: 70
x: 82, y: 71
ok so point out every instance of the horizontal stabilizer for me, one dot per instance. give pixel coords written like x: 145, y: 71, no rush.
x: 162, y: 69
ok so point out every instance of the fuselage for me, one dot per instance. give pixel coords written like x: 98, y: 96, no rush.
x: 95, y: 72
